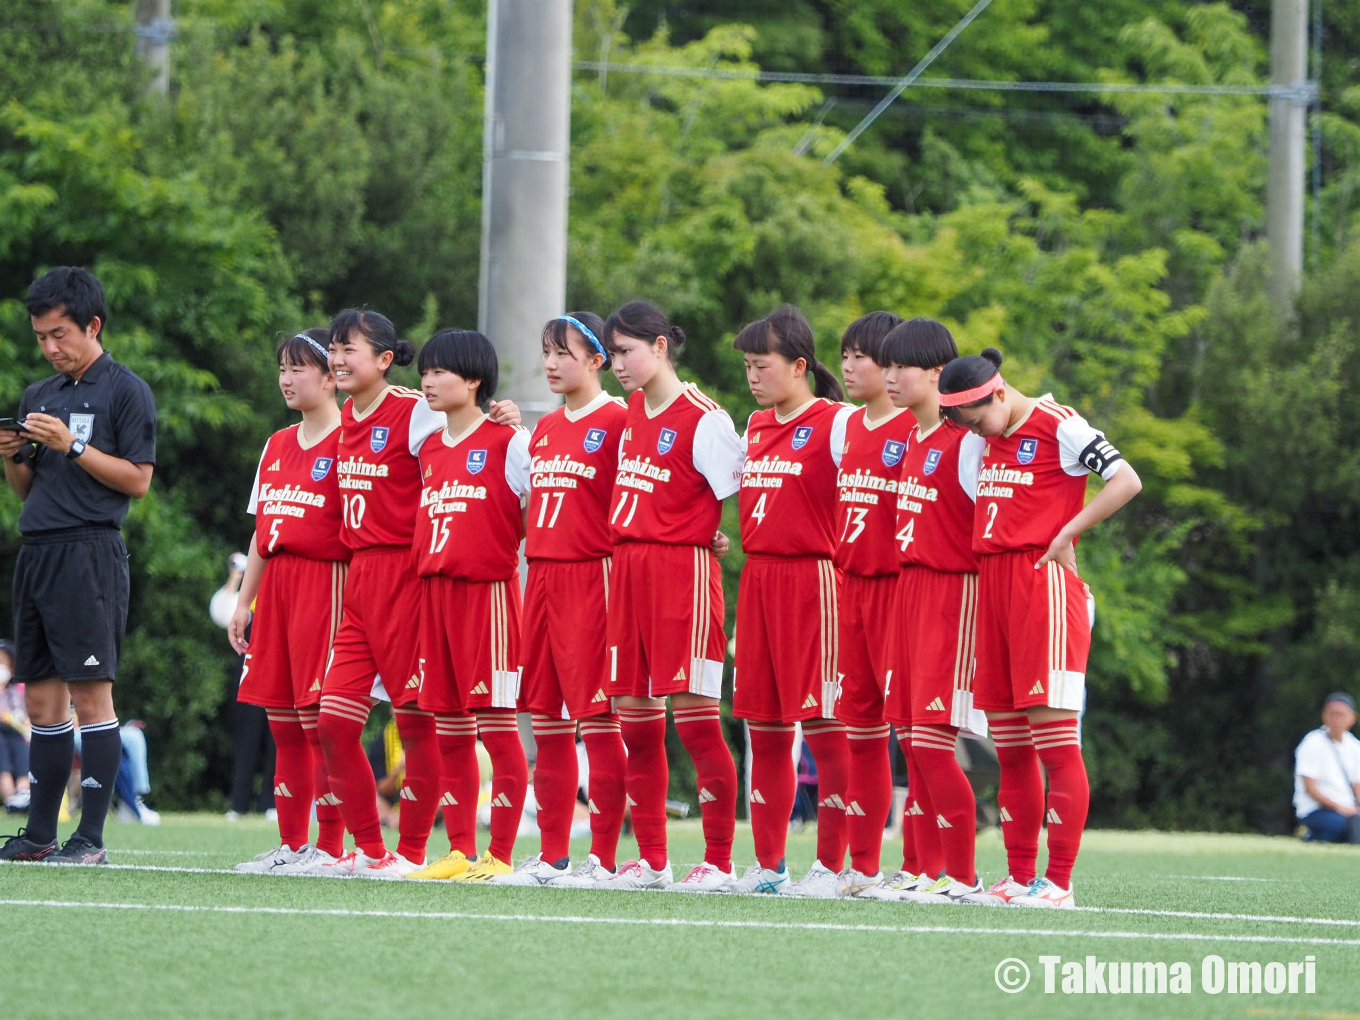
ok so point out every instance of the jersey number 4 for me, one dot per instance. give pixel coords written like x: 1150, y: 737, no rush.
x: 906, y: 536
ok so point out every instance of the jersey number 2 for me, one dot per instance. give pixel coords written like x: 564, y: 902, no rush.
x: 992, y: 509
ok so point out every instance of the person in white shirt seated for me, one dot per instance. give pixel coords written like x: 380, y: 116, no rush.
x: 1327, y: 775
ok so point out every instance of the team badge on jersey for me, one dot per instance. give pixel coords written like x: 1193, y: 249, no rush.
x: 892, y: 452
x: 1028, y: 448
x: 377, y: 439
x: 594, y: 440
x: 665, y: 441
x: 801, y: 435
x: 932, y: 461
x: 476, y: 461
x: 321, y: 467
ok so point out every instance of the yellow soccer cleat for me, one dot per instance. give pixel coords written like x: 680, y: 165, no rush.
x: 484, y: 870
x: 451, y: 865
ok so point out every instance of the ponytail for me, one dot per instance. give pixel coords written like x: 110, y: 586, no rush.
x: 825, y: 383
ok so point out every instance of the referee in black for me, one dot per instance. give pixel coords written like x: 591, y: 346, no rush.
x: 86, y: 448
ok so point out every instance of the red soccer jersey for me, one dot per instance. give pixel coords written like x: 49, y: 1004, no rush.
x: 574, y: 457
x: 867, y: 518
x: 379, y: 475
x: 296, y: 497
x: 935, y: 499
x: 1033, y: 481
x: 788, y: 483
x: 676, y: 465
x: 470, y: 522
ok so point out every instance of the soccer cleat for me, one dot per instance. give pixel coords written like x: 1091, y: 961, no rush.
x: 484, y: 870
x: 79, y: 850
x: 892, y: 887
x: 818, y: 884
x: 532, y: 872
x: 17, y: 802
x: 705, y: 878
x: 640, y: 875
x: 309, y: 857
x: 764, y: 881
x: 944, y: 890
x: 589, y: 874
x: 388, y: 867
x: 451, y: 865
x: 339, y: 867
x: 20, y: 848
x: 851, y: 883
x: 1046, y: 895
x: 265, y: 863
x: 997, y: 896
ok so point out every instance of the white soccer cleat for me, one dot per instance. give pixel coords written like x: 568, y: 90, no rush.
x: 818, y: 884
x: 1046, y: 895
x: 343, y: 866
x: 390, y: 866
x: 764, y: 881
x: 265, y: 863
x: 534, y: 872
x: 640, y: 875
x: 943, y: 891
x: 309, y: 857
x: 851, y: 883
x: 892, y: 887
x: 997, y: 896
x: 707, y: 879
x: 589, y: 874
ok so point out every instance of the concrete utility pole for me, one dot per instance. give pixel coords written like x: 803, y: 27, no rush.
x: 1288, y: 117
x: 525, y: 146
x: 155, y: 29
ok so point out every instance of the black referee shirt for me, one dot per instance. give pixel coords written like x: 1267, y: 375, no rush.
x: 111, y: 409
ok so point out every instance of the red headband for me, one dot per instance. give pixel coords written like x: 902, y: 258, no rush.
x: 975, y: 394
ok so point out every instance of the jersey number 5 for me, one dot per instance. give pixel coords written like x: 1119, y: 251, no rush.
x: 274, y: 533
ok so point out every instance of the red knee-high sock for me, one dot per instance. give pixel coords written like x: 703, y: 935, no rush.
x: 1021, y: 793
x: 292, y: 776
x: 648, y: 779
x: 700, y: 730
x: 925, y: 833
x: 509, y: 777
x: 951, y: 798
x: 908, y: 833
x: 868, y: 796
x: 459, y: 780
x: 608, y: 772
x: 1069, y: 794
x: 555, y: 781
x: 420, y: 788
x: 340, y: 727
x: 330, y: 836
x: 774, y: 786
x: 831, y: 751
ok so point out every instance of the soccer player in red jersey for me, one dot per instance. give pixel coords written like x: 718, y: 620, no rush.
x: 475, y: 477
x: 680, y: 457
x: 931, y: 696
x: 1033, y: 627
x: 786, y: 661
x: 382, y: 428
x: 565, y: 666
x: 295, y: 577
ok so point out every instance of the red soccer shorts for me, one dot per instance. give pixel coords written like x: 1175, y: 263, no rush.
x: 1033, y: 634
x: 933, y: 654
x: 867, y: 629
x: 297, y: 613
x: 469, y: 644
x: 565, y: 666
x: 786, y: 640
x: 665, y: 621
x: 377, y: 639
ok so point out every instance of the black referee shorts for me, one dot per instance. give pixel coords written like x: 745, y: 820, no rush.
x: 70, y: 605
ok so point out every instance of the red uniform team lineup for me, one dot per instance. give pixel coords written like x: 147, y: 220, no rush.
x: 910, y: 544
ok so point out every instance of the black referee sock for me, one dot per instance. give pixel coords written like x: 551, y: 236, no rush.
x: 101, y: 752
x: 50, y: 756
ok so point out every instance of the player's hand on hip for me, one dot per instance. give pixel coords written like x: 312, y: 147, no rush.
x: 720, y: 544
x: 236, y: 629
x: 1060, y: 551
x: 49, y: 431
x: 505, y: 412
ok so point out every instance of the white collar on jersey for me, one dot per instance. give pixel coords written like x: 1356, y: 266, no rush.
x: 598, y: 401
x: 921, y: 437
x: 652, y: 412
x: 785, y: 420
x: 871, y: 425
x: 306, y: 443
x: 450, y: 440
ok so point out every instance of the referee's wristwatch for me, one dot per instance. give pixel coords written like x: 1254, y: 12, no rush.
x: 77, y: 448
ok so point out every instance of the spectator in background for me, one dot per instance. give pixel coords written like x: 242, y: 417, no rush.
x: 252, y: 746
x: 1327, y: 775
x: 13, y: 736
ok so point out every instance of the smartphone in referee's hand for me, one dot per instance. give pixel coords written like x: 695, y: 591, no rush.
x: 10, y: 425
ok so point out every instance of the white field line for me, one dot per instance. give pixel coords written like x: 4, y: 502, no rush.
x: 671, y: 922
x: 1129, y: 911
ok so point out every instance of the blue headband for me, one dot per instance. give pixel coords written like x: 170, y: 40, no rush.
x: 319, y: 349
x: 585, y: 332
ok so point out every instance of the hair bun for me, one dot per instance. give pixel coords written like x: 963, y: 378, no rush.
x: 677, y: 336
x: 403, y: 352
x: 992, y: 355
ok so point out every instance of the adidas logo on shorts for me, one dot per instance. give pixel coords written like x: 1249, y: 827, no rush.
x: 941, y: 823
x: 413, y: 683
x: 448, y: 800
x: 480, y: 688
x: 599, y: 696
x: 811, y: 702
x: 705, y: 797
x: 935, y: 706
x: 316, y: 685
x: 679, y: 676
x: 281, y: 790
x: 1038, y: 688
x: 92, y: 661
x: 501, y: 800
x: 756, y: 798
